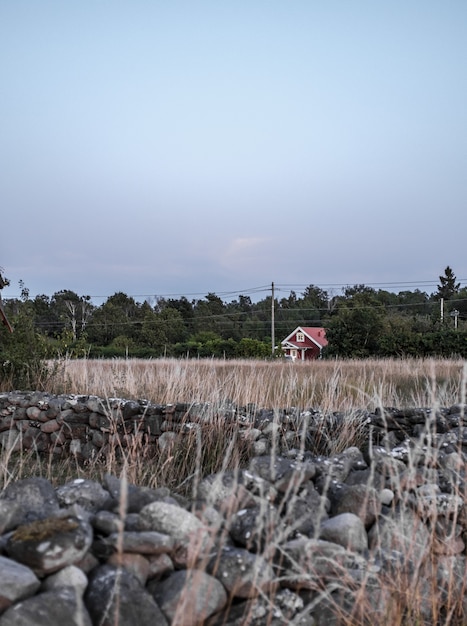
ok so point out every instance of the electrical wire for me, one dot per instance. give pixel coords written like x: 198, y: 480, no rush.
x: 278, y: 287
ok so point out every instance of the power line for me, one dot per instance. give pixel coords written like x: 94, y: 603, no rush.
x: 279, y: 287
x: 201, y: 294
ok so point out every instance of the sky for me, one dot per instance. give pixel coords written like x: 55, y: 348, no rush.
x: 187, y: 147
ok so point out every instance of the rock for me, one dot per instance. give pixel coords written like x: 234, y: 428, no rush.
x: 386, y: 496
x: 243, y: 574
x: 305, y: 561
x: 167, y: 440
x: 69, y: 576
x: 134, y: 497
x: 254, y: 528
x: 189, y: 597
x: 159, y: 565
x: 116, y: 596
x: 346, y: 530
x: 27, y: 500
x: 50, y: 544
x: 106, y: 522
x: 16, y: 582
x: 286, y: 473
x: 11, y: 441
x: 130, y: 409
x: 88, y: 494
x: 432, y: 506
x: 361, y: 500
x: 191, y: 535
x: 144, y: 542
x: 225, y: 491
x: 10, y: 515
x: 51, y: 608
x: 134, y: 563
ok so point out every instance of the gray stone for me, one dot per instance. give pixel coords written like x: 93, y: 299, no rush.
x: 51, y: 608
x: 225, y: 491
x: 243, y: 574
x: 132, y: 562
x: 11, y: 441
x: 188, y: 597
x: 96, y: 405
x: 279, y: 608
x: 160, y: 565
x: 184, y: 527
x: 49, y: 544
x: 106, y: 522
x: 101, y: 422
x: 16, y: 582
x: 10, y: 515
x: 28, y: 500
x: 69, y: 576
x: 333, y: 469
x: 360, y: 500
x: 306, y: 561
x: 286, y: 473
x: 261, y: 447
x: 256, y: 527
x: 434, y: 505
x: 130, y: 409
x: 116, y: 596
x: 386, y: 496
x: 89, y: 494
x: 306, y: 510
x: 144, y: 542
x: 134, y: 497
x: 167, y: 440
x: 346, y: 530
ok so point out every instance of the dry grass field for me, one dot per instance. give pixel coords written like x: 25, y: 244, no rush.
x: 335, y: 385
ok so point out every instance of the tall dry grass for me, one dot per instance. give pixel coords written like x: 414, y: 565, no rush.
x: 351, y: 386
x: 328, y: 385
x: 334, y: 385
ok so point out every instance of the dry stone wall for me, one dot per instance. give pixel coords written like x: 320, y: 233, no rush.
x: 370, y: 535
x: 89, y: 427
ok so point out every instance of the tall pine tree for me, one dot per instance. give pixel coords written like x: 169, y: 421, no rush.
x: 447, y: 284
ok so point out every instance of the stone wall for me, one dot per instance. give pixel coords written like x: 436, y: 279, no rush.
x: 89, y: 426
x: 365, y: 536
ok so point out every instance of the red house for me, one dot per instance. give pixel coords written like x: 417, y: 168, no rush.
x: 305, y: 343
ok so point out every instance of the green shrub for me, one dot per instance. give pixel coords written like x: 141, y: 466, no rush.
x: 22, y: 355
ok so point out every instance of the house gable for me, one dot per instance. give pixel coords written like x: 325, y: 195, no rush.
x: 311, y: 335
x: 305, y: 342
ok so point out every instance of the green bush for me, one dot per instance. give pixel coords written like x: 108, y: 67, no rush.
x: 23, y: 354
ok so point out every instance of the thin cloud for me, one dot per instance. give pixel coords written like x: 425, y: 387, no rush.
x: 243, y: 251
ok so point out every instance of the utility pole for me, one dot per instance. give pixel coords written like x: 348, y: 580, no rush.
x: 442, y: 310
x: 455, y: 315
x: 273, y: 339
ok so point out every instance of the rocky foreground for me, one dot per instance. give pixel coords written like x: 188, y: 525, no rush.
x: 372, y: 535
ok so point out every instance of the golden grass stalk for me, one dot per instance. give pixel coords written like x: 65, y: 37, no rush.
x: 334, y: 385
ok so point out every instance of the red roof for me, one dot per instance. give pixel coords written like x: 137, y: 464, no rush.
x: 315, y: 333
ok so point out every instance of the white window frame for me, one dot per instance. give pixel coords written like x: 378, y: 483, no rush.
x: 300, y: 337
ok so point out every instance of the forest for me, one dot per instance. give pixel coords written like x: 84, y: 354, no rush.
x: 360, y: 322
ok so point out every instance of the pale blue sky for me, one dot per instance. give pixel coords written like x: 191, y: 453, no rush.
x: 184, y: 147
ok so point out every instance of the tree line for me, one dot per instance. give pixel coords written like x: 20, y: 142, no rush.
x: 360, y: 322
